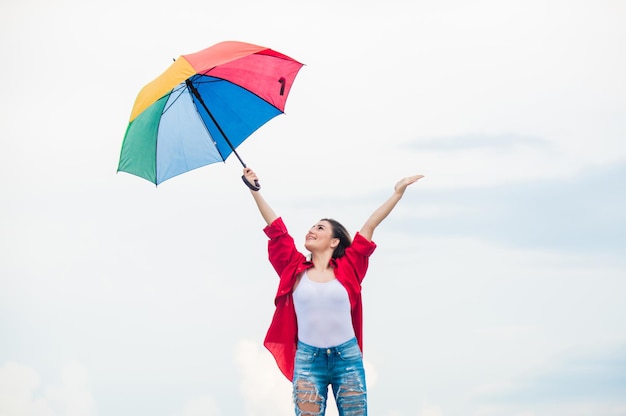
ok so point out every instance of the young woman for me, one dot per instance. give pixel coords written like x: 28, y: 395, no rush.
x: 316, y: 332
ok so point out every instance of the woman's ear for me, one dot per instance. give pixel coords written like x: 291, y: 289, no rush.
x: 334, y: 242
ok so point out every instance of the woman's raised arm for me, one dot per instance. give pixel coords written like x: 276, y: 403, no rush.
x: 266, y: 211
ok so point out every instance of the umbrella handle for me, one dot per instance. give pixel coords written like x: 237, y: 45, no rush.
x: 254, y: 186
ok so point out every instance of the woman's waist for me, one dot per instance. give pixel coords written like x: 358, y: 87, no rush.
x: 330, y: 349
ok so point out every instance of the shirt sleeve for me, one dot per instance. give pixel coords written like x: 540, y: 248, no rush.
x: 275, y: 229
x: 362, y: 245
x: 281, y: 247
x: 357, y: 256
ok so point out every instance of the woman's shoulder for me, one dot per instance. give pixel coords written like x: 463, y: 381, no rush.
x: 276, y: 229
x: 362, y: 245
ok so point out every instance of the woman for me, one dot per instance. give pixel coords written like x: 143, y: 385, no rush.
x: 316, y: 332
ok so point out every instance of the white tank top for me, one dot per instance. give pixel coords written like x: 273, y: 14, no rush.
x: 323, y: 313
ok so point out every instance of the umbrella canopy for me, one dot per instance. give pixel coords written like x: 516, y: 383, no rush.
x: 202, y: 107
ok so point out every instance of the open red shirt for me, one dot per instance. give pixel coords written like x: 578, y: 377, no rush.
x: 289, y: 263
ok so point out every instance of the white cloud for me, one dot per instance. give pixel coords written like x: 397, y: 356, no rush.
x: 17, y: 392
x: 72, y: 395
x: 430, y: 410
x: 21, y: 392
x: 371, y: 375
x: 201, y: 406
x: 564, y: 409
x: 265, y: 390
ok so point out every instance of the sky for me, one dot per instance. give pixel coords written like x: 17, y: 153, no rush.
x: 497, y: 288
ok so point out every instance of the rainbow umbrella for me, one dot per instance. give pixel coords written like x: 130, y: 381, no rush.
x: 204, y: 106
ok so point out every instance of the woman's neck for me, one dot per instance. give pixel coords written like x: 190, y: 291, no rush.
x: 321, y: 261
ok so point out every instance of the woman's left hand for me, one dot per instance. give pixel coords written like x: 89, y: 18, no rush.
x: 403, y: 183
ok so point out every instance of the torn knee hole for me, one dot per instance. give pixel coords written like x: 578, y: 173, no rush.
x: 352, y: 398
x: 308, y: 399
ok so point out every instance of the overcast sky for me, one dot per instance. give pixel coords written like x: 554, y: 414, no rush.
x: 497, y: 288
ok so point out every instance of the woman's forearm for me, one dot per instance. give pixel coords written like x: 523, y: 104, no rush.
x: 266, y: 211
x: 379, y: 215
x: 381, y: 212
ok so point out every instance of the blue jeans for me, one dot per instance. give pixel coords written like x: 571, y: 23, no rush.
x: 341, y: 367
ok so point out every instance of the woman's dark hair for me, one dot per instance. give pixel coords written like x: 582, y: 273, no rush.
x: 340, y: 232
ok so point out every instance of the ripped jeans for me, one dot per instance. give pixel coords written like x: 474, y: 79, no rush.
x: 341, y: 367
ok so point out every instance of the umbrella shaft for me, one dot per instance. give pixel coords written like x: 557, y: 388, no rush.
x: 195, y: 92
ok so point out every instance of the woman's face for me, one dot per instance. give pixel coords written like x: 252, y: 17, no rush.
x: 320, y: 237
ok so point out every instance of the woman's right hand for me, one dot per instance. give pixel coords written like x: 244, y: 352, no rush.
x: 250, y: 175
x: 250, y: 179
